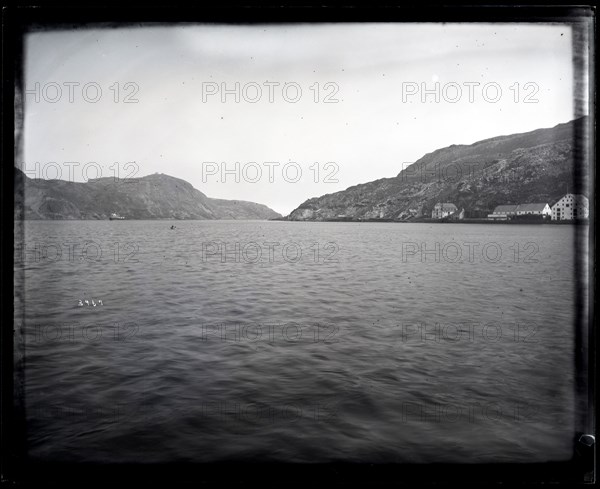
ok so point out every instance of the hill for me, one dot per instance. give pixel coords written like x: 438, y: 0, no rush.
x: 155, y: 196
x: 537, y: 166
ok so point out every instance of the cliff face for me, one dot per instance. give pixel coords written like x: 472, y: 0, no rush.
x: 151, y: 197
x: 531, y: 167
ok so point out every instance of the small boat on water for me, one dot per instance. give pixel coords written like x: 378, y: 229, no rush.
x: 116, y: 217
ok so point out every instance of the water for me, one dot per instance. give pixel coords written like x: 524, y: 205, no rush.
x: 365, y: 350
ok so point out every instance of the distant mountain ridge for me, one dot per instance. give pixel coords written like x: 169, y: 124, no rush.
x: 537, y: 166
x: 157, y: 196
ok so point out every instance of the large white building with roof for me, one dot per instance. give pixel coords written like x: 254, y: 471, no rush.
x: 509, y: 211
x: 571, y: 207
x: 503, y: 212
x: 537, y: 209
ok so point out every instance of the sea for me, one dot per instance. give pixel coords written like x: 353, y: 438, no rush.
x: 204, y: 341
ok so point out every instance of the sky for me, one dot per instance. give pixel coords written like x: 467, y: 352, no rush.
x: 319, y: 107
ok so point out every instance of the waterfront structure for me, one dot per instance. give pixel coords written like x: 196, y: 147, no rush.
x: 503, y: 212
x: 537, y: 209
x: 441, y: 210
x: 571, y: 207
x: 458, y: 215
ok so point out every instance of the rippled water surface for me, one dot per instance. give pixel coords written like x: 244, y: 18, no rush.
x: 309, y: 342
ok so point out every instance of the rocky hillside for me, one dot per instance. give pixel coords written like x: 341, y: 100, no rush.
x: 240, y: 209
x: 155, y: 196
x: 537, y: 166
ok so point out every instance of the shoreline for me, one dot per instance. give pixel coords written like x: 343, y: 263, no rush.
x: 585, y: 222
x: 442, y: 221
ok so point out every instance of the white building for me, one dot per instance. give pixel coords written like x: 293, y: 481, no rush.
x: 538, y: 209
x: 503, y: 212
x: 441, y: 210
x: 571, y: 207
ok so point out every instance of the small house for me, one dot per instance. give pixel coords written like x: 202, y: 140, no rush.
x: 441, y: 210
x: 459, y: 215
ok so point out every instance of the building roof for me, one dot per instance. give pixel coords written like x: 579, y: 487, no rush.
x: 532, y: 207
x: 503, y: 209
x: 576, y: 197
x: 446, y: 206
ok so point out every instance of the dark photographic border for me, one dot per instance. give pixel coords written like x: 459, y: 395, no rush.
x: 17, y: 20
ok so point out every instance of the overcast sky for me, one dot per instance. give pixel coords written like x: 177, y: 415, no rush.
x: 374, y: 128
